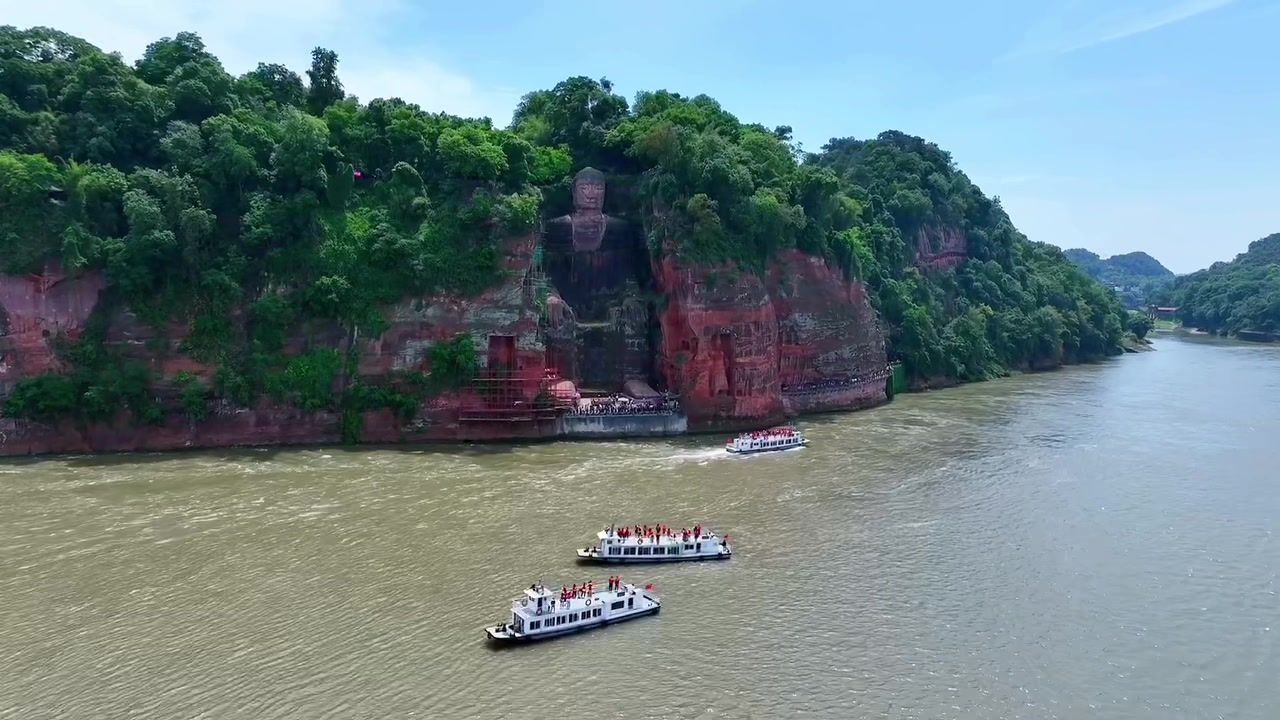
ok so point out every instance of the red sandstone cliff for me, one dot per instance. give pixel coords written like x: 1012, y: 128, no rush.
x: 742, y: 350
x: 941, y: 248
x: 36, y: 310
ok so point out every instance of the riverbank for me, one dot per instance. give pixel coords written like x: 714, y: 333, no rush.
x: 273, y: 426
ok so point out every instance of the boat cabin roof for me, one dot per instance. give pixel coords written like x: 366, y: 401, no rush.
x: 575, y: 604
x: 533, y: 592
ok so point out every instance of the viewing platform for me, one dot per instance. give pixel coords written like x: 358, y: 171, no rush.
x: 617, y: 416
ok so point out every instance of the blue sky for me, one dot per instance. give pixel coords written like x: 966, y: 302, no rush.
x: 1114, y: 125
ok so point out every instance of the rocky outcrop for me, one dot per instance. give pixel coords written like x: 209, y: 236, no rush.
x: 744, y: 350
x: 34, y: 311
x: 940, y: 248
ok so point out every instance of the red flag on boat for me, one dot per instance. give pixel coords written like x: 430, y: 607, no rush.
x: 648, y: 586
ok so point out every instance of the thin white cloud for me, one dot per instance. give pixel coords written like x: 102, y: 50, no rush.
x: 1074, y: 28
x: 243, y: 33
x: 1161, y: 17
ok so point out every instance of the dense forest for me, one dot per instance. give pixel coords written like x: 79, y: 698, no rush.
x: 1139, y: 279
x: 256, y: 208
x: 1240, y: 296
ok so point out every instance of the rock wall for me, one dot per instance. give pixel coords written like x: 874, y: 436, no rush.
x: 939, y: 248
x: 736, y: 345
x: 503, y: 323
x: 36, y: 309
x: 742, y: 349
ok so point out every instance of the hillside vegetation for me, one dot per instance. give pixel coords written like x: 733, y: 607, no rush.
x: 1138, y: 278
x: 1239, y: 296
x: 265, y: 207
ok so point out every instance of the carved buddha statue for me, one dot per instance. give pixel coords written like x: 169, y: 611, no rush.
x: 590, y: 256
x: 599, y: 266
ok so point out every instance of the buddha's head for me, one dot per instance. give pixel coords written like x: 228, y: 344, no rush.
x: 588, y: 190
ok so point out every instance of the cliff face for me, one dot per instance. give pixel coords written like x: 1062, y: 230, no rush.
x: 941, y: 247
x: 33, y: 311
x: 503, y: 323
x: 741, y: 349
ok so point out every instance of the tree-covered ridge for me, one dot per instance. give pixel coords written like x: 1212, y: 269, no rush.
x: 252, y: 207
x: 1239, y: 296
x: 264, y: 208
x: 1138, y: 278
x: 1012, y: 303
x: 717, y: 189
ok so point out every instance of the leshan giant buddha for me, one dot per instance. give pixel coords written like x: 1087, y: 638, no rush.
x: 600, y: 267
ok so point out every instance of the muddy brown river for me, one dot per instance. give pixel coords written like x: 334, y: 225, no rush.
x: 1098, y: 542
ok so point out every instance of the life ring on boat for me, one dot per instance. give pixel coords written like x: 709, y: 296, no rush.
x: 588, y: 601
x: 524, y: 602
x: 539, y: 611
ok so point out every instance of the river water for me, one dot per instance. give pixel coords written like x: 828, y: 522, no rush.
x: 1098, y: 542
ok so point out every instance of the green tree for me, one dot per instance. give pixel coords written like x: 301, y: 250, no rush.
x: 325, y: 88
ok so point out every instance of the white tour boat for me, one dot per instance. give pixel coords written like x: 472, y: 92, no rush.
x: 641, y: 544
x: 542, y: 612
x: 783, y: 437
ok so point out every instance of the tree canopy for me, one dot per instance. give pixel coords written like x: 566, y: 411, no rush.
x: 1137, y: 278
x: 1239, y: 296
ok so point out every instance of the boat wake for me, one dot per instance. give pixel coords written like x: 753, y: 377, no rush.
x: 700, y: 456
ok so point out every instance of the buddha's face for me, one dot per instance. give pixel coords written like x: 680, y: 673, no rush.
x: 588, y: 195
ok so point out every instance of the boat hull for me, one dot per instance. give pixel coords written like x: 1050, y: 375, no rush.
x: 737, y: 451
x: 499, y: 638
x: 587, y: 556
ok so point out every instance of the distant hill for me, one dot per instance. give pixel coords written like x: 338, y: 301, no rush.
x: 1242, y: 296
x: 1137, y: 277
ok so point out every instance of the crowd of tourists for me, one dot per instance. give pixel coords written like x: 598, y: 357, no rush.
x: 622, y: 405
x: 834, y: 384
x: 656, y: 532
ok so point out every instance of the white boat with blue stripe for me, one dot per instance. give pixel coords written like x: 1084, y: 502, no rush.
x: 541, y: 612
x: 656, y: 544
x: 783, y: 437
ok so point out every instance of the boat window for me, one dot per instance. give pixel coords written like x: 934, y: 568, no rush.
x: 631, y: 602
x: 595, y: 613
x: 629, y: 551
x: 659, y: 551
x: 613, y: 550
x: 535, y: 624
x: 616, y: 606
x: 688, y: 546
x: 698, y: 547
x: 645, y: 550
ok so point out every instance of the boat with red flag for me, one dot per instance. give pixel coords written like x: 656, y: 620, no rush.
x: 783, y: 437
x: 543, y: 612
x: 655, y: 544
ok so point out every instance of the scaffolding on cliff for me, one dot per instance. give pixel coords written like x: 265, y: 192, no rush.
x: 506, y: 395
